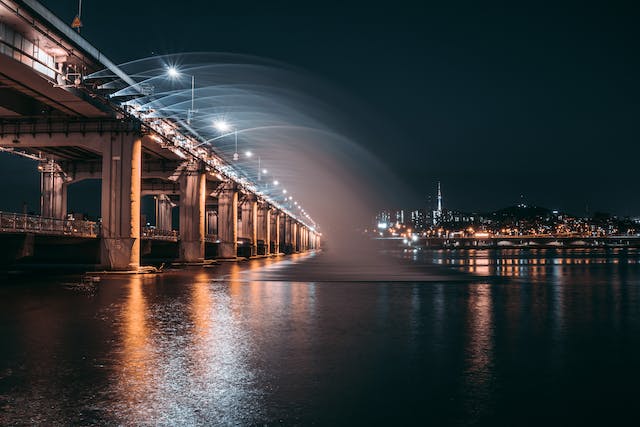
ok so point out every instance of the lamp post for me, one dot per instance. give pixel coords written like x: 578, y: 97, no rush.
x: 261, y: 171
x: 225, y: 127
x: 174, y: 73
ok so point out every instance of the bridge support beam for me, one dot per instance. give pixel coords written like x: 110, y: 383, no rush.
x: 288, y: 237
x: 211, y: 223
x: 228, y: 220
x: 303, y: 238
x: 275, y: 232
x: 295, y: 236
x: 249, y: 222
x: 164, y: 219
x: 53, y: 191
x: 264, y: 227
x: 121, y: 173
x: 192, y: 206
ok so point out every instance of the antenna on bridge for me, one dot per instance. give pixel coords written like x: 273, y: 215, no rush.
x: 77, y: 23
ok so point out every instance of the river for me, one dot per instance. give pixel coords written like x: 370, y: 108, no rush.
x: 487, y: 337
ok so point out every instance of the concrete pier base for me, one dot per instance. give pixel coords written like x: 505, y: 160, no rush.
x: 192, y: 207
x: 275, y: 232
x: 121, y: 173
x: 228, y: 220
x: 164, y: 220
x: 249, y: 223
x: 53, y: 191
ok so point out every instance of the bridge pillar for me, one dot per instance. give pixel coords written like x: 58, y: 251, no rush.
x: 250, y: 223
x: 228, y: 220
x: 121, y: 176
x: 274, y: 227
x: 295, y: 235
x: 264, y: 227
x: 212, y: 223
x: 307, y: 233
x: 303, y: 239
x: 53, y: 191
x: 288, y: 246
x: 192, y: 205
x: 164, y: 220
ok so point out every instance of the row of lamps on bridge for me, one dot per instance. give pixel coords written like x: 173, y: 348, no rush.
x: 226, y: 130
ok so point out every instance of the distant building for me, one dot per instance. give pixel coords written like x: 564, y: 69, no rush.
x: 419, y: 219
x: 437, y: 214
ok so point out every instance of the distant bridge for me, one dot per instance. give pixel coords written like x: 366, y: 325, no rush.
x: 70, y: 127
x: 505, y: 242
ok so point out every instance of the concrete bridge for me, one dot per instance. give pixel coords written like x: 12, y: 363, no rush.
x: 74, y: 131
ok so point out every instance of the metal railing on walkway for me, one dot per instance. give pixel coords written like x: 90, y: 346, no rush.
x: 22, y: 223
x: 152, y: 233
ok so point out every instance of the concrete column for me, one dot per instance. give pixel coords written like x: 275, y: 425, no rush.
x: 212, y: 223
x: 164, y: 219
x: 228, y: 220
x: 264, y: 226
x: 306, y: 239
x: 303, y: 238
x: 275, y: 231
x: 53, y: 191
x: 288, y: 237
x: 192, y: 204
x: 295, y: 236
x: 250, y: 222
x: 121, y: 172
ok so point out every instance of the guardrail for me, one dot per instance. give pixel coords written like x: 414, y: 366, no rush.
x: 22, y: 223
x: 152, y: 233
x: 211, y: 238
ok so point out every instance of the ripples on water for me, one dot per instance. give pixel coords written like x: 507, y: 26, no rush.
x: 532, y: 337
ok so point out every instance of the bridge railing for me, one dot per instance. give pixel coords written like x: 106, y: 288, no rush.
x: 22, y: 223
x: 153, y: 233
x: 211, y: 238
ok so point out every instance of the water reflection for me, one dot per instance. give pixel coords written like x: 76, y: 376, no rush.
x: 235, y: 344
x: 532, y: 264
x: 479, y: 350
x: 184, y: 357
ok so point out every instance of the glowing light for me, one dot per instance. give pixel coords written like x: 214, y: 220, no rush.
x: 248, y: 153
x: 264, y: 171
x: 222, y: 126
x: 284, y: 191
x: 173, y: 72
x: 275, y: 182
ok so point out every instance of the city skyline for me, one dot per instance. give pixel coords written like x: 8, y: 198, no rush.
x: 430, y: 204
x: 475, y: 104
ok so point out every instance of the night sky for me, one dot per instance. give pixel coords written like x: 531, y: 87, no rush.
x: 494, y: 101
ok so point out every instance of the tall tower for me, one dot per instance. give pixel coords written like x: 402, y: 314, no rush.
x: 437, y: 214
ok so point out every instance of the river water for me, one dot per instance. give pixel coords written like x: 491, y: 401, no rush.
x: 495, y: 337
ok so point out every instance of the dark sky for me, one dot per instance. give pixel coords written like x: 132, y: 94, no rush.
x: 494, y: 101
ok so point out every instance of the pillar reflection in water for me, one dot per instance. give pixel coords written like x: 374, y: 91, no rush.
x: 173, y: 371
x: 134, y: 372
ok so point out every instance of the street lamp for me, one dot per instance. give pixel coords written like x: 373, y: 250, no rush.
x: 174, y: 73
x: 225, y: 128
